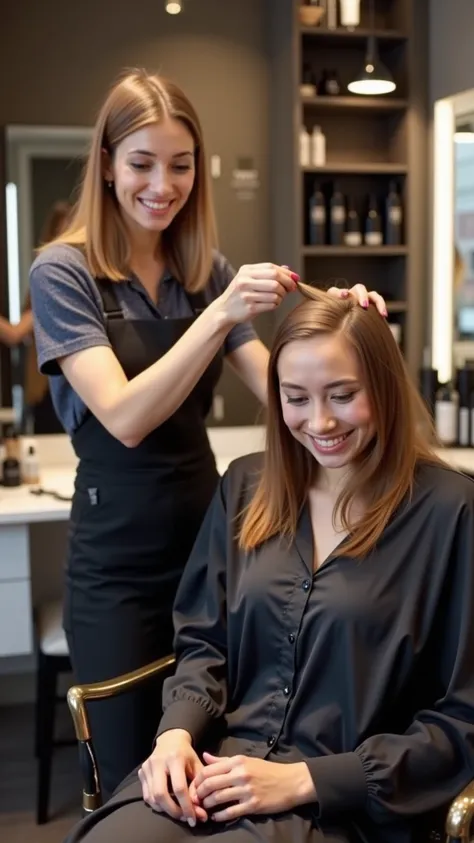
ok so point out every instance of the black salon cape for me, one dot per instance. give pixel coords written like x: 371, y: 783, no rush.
x: 364, y: 669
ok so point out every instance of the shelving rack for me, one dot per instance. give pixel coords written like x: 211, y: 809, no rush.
x: 370, y: 141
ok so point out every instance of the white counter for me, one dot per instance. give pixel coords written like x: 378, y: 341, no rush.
x: 20, y: 506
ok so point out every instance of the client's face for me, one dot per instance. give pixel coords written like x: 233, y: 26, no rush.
x: 324, y: 402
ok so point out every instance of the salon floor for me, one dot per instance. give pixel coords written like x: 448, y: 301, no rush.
x: 18, y: 780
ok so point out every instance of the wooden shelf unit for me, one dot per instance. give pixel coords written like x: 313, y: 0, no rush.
x: 370, y: 141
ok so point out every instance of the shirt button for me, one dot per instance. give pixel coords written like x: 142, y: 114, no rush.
x: 286, y: 691
x: 292, y: 638
x: 271, y: 740
x: 306, y: 585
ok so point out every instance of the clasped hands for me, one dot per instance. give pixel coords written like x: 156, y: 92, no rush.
x: 176, y: 782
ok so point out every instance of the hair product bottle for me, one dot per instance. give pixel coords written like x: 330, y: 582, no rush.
x: 337, y: 217
x: 31, y: 467
x: 446, y: 414
x: 373, y: 223
x: 393, y: 217
x: 428, y: 381
x: 352, y: 234
x: 317, y: 217
x: 11, y: 467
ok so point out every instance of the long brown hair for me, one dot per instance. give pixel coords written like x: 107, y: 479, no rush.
x: 137, y: 100
x: 384, y: 471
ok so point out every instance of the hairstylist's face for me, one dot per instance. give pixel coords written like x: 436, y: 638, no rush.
x: 324, y: 403
x: 153, y: 174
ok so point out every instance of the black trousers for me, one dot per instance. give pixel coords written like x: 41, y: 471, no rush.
x: 128, y: 546
x: 126, y: 818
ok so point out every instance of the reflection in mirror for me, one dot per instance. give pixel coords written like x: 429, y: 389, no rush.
x: 452, y: 327
x: 43, y: 170
x: 463, y: 270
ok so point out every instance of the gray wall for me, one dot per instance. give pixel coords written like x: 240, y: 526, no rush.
x: 60, y: 58
x: 451, y: 47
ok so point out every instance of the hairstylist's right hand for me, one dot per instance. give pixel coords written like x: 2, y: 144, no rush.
x: 257, y: 288
x: 170, y: 768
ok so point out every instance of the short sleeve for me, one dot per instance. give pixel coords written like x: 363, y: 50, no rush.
x: 67, y: 315
x: 222, y: 274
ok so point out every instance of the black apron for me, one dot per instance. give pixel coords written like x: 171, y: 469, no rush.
x: 134, y: 518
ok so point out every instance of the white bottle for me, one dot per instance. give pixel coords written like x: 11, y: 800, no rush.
x: 350, y: 13
x: 30, y: 468
x: 318, y: 147
x: 446, y: 415
x: 305, y: 147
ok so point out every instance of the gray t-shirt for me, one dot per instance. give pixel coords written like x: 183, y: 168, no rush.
x: 69, y: 315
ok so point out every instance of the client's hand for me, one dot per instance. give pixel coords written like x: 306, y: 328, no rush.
x: 363, y: 297
x: 169, y: 769
x: 251, y: 786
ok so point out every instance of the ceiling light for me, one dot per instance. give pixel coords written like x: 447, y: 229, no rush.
x: 174, y: 8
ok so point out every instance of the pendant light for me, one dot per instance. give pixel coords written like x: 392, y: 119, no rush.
x: 375, y: 78
x: 464, y: 133
x: 174, y: 8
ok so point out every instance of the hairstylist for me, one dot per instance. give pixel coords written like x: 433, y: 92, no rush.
x: 134, y: 312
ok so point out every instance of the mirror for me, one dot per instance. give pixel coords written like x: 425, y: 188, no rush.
x: 43, y: 166
x: 452, y: 328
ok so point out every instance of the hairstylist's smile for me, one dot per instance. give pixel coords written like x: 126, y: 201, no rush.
x: 154, y: 207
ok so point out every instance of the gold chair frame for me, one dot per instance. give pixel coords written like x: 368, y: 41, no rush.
x: 460, y: 814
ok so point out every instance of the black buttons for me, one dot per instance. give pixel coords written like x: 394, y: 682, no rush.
x: 271, y: 740
x: 287, y: 690
x: 306, y: 585
x: 292, y: 638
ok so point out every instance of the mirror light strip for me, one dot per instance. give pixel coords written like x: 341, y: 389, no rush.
x: 443, y: 239
x: 13, y: 253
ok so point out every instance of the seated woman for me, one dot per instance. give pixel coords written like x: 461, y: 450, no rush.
x: 325, y: 621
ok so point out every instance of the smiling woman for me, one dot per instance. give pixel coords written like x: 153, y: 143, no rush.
x: 324, y: 622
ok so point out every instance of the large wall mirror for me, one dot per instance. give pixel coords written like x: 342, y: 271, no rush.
x: 452, y: 334
x: 42, y: 169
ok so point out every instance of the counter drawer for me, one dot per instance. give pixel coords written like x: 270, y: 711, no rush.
x: 16, y: 633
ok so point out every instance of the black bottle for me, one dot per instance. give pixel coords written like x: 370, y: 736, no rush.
x: 337, y: 218
x: 373, y: 235
x: 352, y: 234
x: 329, y: 84
x: 393, y: 217
x: 11, y: 468
x: 428, y: 382
x: 317, y: 217
x: 333, y: 85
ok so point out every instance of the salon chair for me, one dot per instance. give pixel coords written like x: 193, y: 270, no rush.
x: 458, y: 821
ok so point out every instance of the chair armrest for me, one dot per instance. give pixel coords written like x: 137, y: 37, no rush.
x: 78, y: 695
x: 460, y: 816
x: 77, y: 698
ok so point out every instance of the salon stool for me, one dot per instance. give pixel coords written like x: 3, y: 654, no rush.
x: 53, y: 659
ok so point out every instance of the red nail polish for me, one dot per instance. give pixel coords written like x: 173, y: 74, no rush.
x: 365, y: 304
x: 294, y: 276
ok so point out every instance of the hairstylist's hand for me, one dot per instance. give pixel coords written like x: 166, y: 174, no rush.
x: 361, y: 295
x: 170, y: 768
x: 256, y: 288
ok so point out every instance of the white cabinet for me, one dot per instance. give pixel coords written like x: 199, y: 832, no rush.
x: 16, y: 624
